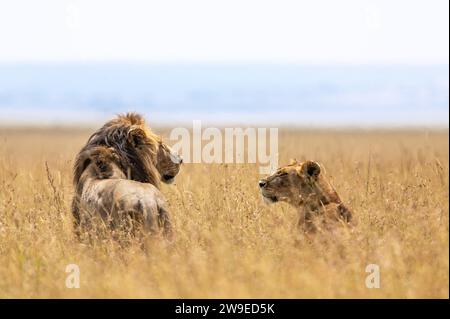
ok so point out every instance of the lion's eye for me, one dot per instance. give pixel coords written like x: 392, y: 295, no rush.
x: 282, y: 174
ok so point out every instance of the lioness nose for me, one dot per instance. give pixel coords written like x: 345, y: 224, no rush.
x: 262, y: 183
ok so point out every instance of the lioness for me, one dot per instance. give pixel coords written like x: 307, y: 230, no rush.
x: 303, y: 186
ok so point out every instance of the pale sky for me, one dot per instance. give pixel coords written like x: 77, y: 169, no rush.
x: 260, y: 31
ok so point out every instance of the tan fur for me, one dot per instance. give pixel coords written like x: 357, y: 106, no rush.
x: 117, y: 175
x: 167, y: 163
x: 104, y: 191
x: 304, y: 186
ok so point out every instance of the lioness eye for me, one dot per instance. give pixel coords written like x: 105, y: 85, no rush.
x: 282, y: 174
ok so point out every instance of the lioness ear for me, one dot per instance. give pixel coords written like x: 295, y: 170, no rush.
x: 311, y: 168
x: 293, y: 161
x: 136, y: 136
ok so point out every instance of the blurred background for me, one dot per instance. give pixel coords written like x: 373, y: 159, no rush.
x: 298, y: 63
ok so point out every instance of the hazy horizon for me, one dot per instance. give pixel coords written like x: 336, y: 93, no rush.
x: 325, y: 63
x: 253, y: 94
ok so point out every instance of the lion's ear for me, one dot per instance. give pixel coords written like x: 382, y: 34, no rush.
x: 81, y: 163
x: 136, y: 136
x: 102, y: 164
x: 311, y: 168
x: 85, y: 164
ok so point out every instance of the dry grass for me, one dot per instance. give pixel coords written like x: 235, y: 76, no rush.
x: 228, y: 242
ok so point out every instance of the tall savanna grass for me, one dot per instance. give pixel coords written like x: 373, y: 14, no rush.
x: 228, y: 243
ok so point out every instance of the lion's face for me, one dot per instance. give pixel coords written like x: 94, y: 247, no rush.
x: 142, y: 155
x: 168, y: 163
x: 294, y: 183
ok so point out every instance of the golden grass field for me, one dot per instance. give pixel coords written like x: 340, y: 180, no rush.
x: 228, y: 243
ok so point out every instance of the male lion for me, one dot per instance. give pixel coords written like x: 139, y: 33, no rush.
x: 303, y: 186
x: 103, y: 189
x: 139, y: 149
x: 117, y: 175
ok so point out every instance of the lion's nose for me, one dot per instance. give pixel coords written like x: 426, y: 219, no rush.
x: 262, y: 183
x: 176, y: 159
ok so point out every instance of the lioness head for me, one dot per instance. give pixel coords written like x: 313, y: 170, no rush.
x: 298, y: 184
